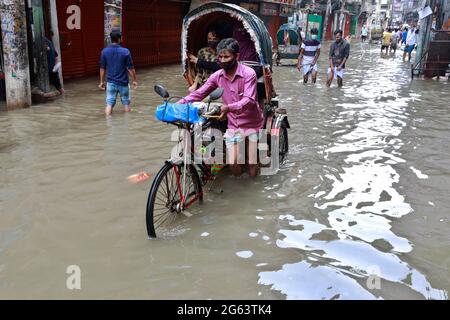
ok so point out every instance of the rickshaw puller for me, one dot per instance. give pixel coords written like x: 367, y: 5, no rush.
x: 241, y: 107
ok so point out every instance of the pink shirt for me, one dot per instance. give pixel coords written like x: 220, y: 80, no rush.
x: 239, y: 95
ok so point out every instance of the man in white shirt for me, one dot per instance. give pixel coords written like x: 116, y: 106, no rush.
x: 363, y: 34
x: 399, y: 35
x: 411, y: 40
x: 394, y: 41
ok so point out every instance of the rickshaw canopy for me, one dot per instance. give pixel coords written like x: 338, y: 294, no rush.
x: 287, y: 35
x: 197, y: 21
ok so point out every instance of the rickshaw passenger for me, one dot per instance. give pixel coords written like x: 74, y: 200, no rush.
x: 246, y: 44
x: 247, y: 50
x: 205, y: 61
x: 241, y: 107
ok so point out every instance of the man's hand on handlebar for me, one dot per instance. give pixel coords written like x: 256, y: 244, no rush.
x: 223, y: 112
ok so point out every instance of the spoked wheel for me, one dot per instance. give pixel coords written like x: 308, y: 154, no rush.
x: 164, y: 205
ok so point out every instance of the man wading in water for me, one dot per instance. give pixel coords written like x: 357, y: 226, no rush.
x: 339, y: 53
x: 116, y: 63
x: 309, y: 54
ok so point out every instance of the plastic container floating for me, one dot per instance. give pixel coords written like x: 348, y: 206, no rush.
x: 139, y: 177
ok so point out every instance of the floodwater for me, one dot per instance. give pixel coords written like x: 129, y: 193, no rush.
x: 360, y: 210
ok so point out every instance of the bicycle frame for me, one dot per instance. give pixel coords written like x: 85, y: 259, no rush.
x: 205, y: 169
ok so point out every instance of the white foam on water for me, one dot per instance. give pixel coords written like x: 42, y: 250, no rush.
x: 418, y: 173
x: 244, y: 254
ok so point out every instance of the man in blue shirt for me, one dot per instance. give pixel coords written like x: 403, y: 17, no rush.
x: 404, y: 35
x: 117, y: 64
x: 52, y: 64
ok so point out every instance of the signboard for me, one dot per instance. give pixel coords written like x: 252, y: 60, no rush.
x: 315, y: 21
x: 269, y: 9
x: 425, y: 12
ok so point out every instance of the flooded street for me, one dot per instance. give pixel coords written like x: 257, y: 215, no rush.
x: 360, y: 210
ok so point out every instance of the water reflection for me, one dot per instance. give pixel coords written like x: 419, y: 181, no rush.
x: 339, y: 268
x: 358, y: 194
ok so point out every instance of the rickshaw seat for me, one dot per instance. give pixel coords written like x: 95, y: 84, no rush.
x: 261, y: 88
x: 260, y: 85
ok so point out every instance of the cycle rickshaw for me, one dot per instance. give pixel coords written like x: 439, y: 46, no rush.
x: 288, y: 43
x: 179, y: 183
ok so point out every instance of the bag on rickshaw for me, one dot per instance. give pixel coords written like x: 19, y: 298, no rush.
x: 173, y: 112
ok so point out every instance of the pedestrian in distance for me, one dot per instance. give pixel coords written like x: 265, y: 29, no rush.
x: 339, y: 53
x: 387, y: 38
x: 404, y: 35
x: 394, y: 41
x: 364, y: 32
x: 309, y: 54
x: 53, y: 65
x: 116, y: 64
x: 399, y: 36
x: 410, y: 44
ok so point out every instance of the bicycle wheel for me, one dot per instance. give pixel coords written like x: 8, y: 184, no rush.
x: 164, y: 203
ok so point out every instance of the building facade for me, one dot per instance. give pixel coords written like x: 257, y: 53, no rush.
x: 79, y: 31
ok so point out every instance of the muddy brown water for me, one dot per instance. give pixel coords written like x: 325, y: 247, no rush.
x: 360, y: 210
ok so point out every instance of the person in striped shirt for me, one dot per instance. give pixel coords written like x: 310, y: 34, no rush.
x: 309, y: 54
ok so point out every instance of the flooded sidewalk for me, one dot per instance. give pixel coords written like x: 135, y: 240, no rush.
x: 359, y: 211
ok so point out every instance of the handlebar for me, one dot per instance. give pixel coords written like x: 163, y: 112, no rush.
x: 213, y: 113
x: 204, y: 110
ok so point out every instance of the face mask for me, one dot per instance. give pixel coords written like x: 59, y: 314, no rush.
x: 228, y: 65
x: 213, y: 44
x: 314, y: 36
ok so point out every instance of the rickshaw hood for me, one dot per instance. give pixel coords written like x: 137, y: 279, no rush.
x: 254, y: 26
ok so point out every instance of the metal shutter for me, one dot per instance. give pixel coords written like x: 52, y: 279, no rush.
x: 152, y: 30
x: 80, y: 49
